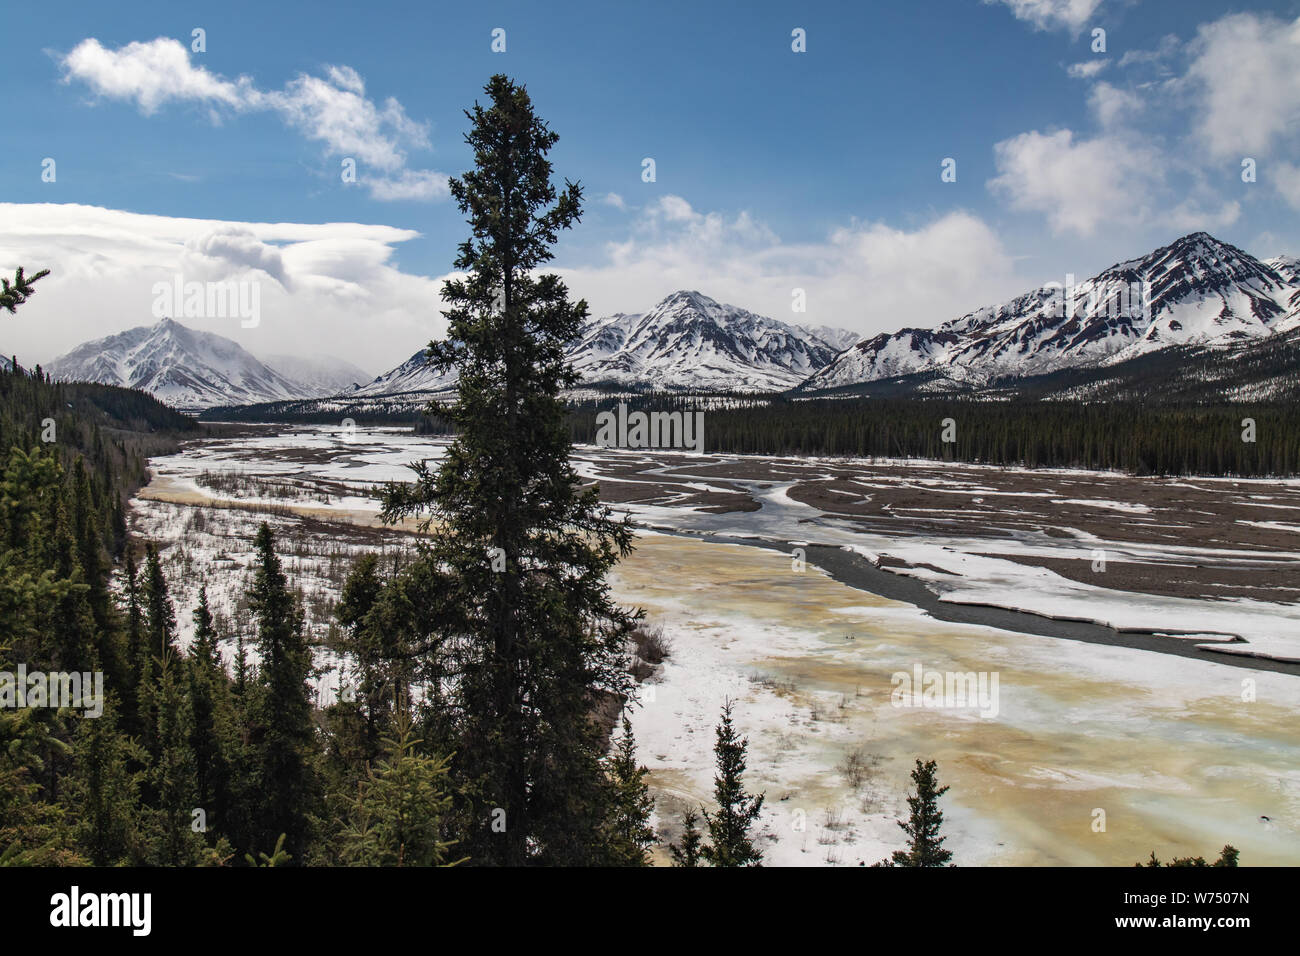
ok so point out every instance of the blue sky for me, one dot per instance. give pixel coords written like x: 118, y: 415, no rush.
x: 774, y: 169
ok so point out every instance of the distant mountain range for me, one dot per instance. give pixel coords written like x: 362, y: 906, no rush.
x: 688, y: 342
x: 1202, y: 296
x: 1197, y: 318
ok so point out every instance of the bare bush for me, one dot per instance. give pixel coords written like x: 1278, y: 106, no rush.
x: 857, y: 767
x: 651, y: 645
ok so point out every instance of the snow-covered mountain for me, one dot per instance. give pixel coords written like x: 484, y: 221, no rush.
x: 690, y: 341
x: 183, y: 367
x: 413, y: 375
x: 1195, y: 291
x: 318, y: 375
x: 6, y: 364
x: 687, y: 341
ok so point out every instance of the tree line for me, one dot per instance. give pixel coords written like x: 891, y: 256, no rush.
x: 1247, y: 440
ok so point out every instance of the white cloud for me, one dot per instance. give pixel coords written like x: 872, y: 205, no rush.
x: 232, y: 248
x: 1182, y: 114
x: 615, y: 200
x: 1052, y: 14
x: 331, y: 285
x: 411, y: 184
x: 1164, y: 51
x: 1087, y: 69
x: 1286, y: 179
x: 868, y: 277
x: 346, y: 121
x: 152, y: 74
x: 1111, y: 104
x: 1111, y: 182
x: 1194, y: 214
x: 333, y: 110
x: 1245, y: 73
x: 1079, y: 184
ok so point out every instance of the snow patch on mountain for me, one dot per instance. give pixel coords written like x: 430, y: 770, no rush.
x: 838, y: 339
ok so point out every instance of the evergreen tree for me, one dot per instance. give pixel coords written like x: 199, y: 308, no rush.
x: 380, y: 663
x: 729, y: 839
x: 522, y: 616
x: 33, y: 831
x: 687, y: 853
x: 103, y: 796
x: 1227, y: 857
x: 397, y: 817
x: 89, y: 526
x: 279, y: 855
x: 137, y: 720
x: 173, y: 840
x: 925, y: 846
x: 631, y: 835
x: 284, y: 737
x: 212, y: 717
x: 72, y: 625
x: 160, y: 616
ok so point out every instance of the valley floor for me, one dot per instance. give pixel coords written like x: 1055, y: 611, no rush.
x: 1180, y: 755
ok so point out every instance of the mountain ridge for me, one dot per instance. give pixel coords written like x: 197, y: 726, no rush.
x: 687, y: 341
x: 1196, y: 291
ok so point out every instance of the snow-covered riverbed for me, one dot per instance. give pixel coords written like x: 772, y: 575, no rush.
x: 1174, y: 755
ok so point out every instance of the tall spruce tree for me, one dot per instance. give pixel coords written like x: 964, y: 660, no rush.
x: 284, y: 736
x: 172, y: 839
x: 160, y: 615
x: 212, y: 717
x: 925, y: 846
x: 522, y: 620
x: 730, y: 843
